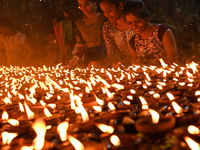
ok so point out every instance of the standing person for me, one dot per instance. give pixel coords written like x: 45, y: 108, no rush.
x: 116, y: 32
x: 64, y: 31
x: 89, y: 34
x: 18, y: 49
x: 152, y: 41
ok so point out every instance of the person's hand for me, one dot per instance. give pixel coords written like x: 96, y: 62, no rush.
x: 73, y: 62
x: 94, y: 64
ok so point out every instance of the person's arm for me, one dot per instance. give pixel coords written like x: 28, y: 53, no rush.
x: 170, y: 47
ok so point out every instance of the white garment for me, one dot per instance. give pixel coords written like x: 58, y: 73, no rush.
x: 16, y: 52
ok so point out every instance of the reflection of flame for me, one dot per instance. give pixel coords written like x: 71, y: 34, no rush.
x: 115, y: 140
x: 5, y: 115
x: 155, y: 116
x: 170, y: 96
x: 62, y: 130
x: 111, y: 106
x: 39, y: 126
x: 77, y: 144
x: 30, y: 114
x: 105, y: 128
x: 8, y: 137
x: 192, y: 144
x: 193, y: 130
x: 177, y: 108
x: 13, y: 122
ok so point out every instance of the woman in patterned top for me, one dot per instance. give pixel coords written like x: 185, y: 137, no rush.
x: 116, y: 32
x: 152, y: 41
x: 89, y: 34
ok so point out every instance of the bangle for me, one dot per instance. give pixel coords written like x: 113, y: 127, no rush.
x: 76, y: 57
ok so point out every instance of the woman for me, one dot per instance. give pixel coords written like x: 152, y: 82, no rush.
x: 89, y: 34
x: 64, y: 31
x: 152, y: 41
x: 116, y: 32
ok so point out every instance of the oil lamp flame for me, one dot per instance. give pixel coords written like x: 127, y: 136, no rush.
x: 192, y: 65
x: 189, y: 74
x: 170, y: 96
x: 197, y: 93
x: 76, y: 143
x: 7, y: 100
x: 144, y: 103
x: 115, y: 140
x: 47, y: 112
x: 164, y: 65
x: 192, y: 144
x: 30, y: 114
x: 118, y: 86
x: 105, y: 128
x: 193, y: 130
x: 39, y: 126
x: 177, y: 108
x: 21, y: 108
x: 5, y: 115
x: 111, y: 106
x: 13, y: 122
x: 99, y: 101
x: 155, y: 116
x: 62, y: 130
x: 97, y: 108
x: 84, y: 113
x: 8, y: 137
x: 132, y: 91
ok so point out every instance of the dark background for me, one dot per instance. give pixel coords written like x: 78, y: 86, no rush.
x: 34, y: 18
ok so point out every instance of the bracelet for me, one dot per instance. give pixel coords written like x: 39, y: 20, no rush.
x: 76, y: 57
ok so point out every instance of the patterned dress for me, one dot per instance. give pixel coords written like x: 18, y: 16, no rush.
x: 148, y: 51
x: 117, y: 43
x: 91, y: 35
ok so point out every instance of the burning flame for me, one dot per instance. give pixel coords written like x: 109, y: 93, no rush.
x: 13, y: 122
x: 177, y: 108
x: 105, y: 128
x: 97, y: 108
x: 164, y: 65
x: 39, y: 126
x: 111, y: 106
x: 144, y: 103
x: 155, y: 116
x: 192, y: 144
x: 77, y: 144
x: 193, y: 130
x: 118, y: 86
x: 8, y: 137
x: 21, y: 108
x: 99, y: 101
x: 62, y: 130
x: 170, y: 96
x: 115, y: 140
x: 30, y: 114
x: 5, y: 115
x: 192, y: 65
x: 47, y: 112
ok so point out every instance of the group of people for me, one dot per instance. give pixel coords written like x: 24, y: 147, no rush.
x: 121, y: 33
x: 110, y: 33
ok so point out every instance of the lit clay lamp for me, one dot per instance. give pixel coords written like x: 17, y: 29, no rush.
x: 124, y: 141
x: 184, y: 116
x: 155, y: 127
x: 113, y: 114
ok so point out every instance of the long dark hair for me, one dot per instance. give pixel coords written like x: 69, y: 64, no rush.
x: 137, y: 8
x: 114, y: 2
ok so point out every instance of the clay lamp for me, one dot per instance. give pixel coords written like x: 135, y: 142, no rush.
x: 184, y: 116
x: 155, y: 126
